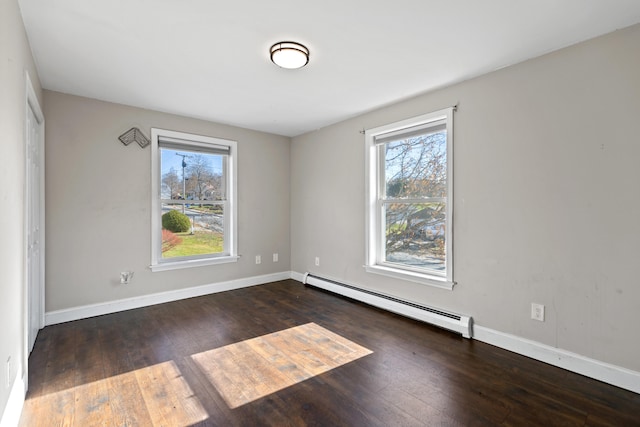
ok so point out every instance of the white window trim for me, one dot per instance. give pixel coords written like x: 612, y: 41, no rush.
x: 231, y: 234
x: 373, y: 224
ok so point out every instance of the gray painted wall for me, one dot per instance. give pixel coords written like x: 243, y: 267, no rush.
x: 547, y: 199
x: 15, y: 57
x: 99, y: 203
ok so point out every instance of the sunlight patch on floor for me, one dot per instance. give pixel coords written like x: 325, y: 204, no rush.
x: 160, y: 388
x: 254, y: 368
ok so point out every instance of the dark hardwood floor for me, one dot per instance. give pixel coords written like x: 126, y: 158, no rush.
x: 136, y: 368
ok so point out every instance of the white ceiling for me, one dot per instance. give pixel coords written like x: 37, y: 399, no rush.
x: 209, y: 59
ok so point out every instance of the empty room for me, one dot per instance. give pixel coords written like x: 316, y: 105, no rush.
x: 349, y: 213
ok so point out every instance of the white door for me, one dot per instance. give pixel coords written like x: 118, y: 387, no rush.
x: 34, y: 221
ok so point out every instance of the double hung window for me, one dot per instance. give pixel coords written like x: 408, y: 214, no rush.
x: 193, y: 203
x: 409, y: 195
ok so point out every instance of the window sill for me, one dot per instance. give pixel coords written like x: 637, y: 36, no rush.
x: 423, y: 279
x: 165, y: 266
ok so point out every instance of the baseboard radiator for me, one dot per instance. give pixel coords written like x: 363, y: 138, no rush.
x: 435, y: 316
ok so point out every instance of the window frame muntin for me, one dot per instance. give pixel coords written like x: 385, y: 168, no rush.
x: 230, y: 208
x: 376, y: 190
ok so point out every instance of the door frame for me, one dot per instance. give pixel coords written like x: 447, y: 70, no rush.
x: 33, y: 105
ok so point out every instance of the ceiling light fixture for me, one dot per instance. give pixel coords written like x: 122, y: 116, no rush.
x: 289, y: 55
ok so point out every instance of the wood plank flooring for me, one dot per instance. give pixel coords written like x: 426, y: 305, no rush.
x: 137, y: 368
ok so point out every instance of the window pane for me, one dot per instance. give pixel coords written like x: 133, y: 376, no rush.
x: 416, y: 167
x: 415, y: 235
x: 190, y: 175
x: 202, y: 233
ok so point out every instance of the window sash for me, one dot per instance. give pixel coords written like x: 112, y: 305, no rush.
x: 185, y: 146
x: 225, y: 236
x: 424, y: 130
x: 381, y: 254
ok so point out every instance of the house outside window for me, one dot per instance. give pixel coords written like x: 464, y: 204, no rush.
x: 194, y: 215
x: 409, y: 166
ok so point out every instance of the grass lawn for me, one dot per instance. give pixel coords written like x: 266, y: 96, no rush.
x: 198, y: 243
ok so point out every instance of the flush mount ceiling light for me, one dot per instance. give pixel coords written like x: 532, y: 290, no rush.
x: 289, y: 55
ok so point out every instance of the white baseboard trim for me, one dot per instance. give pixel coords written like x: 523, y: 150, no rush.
x: 601, y: 371
x: 297, y: 276
x: 86, y: 311
x: 13, y: 410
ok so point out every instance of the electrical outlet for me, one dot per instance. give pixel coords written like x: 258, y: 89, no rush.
x: 317, y: 261
x: 537, y: 312
x: 258, y: 259
x: 275, y: 257
x: 125, y: 277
